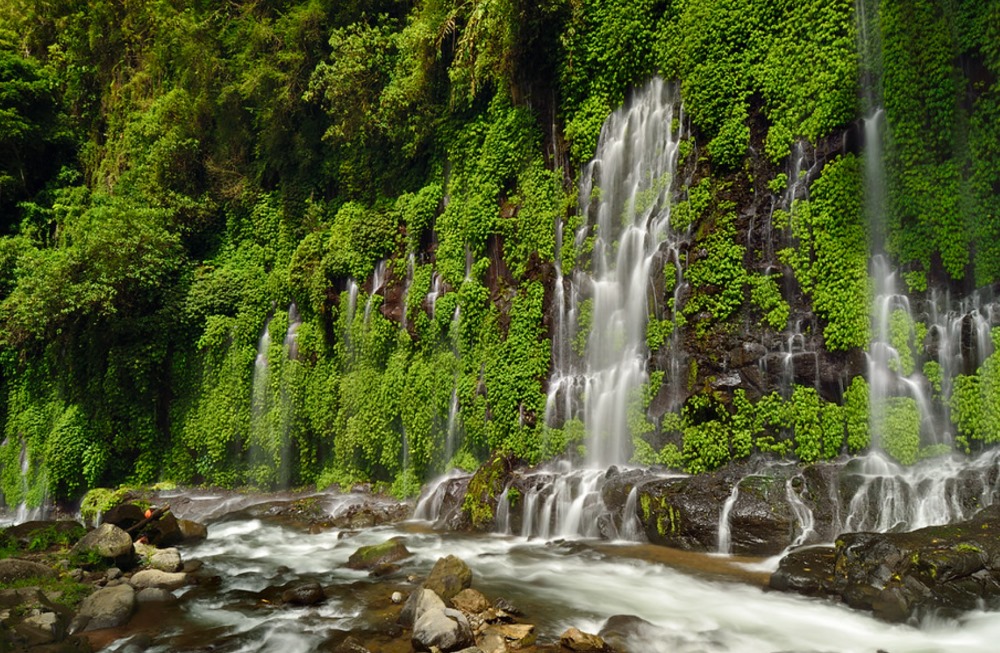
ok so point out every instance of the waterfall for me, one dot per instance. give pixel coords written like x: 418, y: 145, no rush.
x: 725, y: 532
x: 625, y: 191
x: 631, y: 526
x: 378, y: 281
x: 802, y: 513
x: 503, y: 513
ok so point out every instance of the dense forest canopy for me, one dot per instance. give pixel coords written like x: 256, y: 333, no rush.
x: 312, y: 241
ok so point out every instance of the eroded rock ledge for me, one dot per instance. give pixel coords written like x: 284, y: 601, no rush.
x: 904, y: 576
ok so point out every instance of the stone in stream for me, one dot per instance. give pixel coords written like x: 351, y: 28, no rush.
x: 442, y: 628
x: 470, y: 601
x: 905, y: 576
x: 378, y: 555
x: 507, y: 637
x: 106, y: 608
x: 157, y: 578
x: 124, y: 515
x: 630, y: 634
x: 581, y: 642
x: 449, y: 576
x: 309, y: 593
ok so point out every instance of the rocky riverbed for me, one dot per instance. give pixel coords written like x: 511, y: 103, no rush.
x: 353, y: 572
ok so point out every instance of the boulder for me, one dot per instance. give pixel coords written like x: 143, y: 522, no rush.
x: 12, y: 569
x: 449, y: 576
x: 192, y: 531
x: 470, y: 601
x: 41, y: 628
x: 124, y: 515
x: 442, y: 628
x: 581, y: 642
x: 106, y: 608
x: 168, y: 560
x: 417, y: 603
x: 902, y: 577
x: 157, y: 578
x: 155, y: 595
x: 304, y: 594
x: 500, y: 638
x: 630, y: 634
x: 107, y: 541
x: 377, y: 555
x: 164, y: 531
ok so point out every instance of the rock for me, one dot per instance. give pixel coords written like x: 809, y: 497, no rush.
x: 26, y: 533
x: 41, y: 628
x: 157, y: 578
x: 163, y: 532
x: 124, y: 515
x: 370, y: 557
x: 630, y: 634
x: 166, y: 560
x: 155, y: 595
x: 805, y: 571
x: 304, y: 594
x: 419, y: 602
x: 504, y: 606
x: 470, y: 601
x: 107, y: 541
x: 192, y: 531
x: 106, y: 608
x: 480, y: 502
x: 12, y: 569
x: 442, y: 628
x: 576, y: 640
x: 449, y: 576
x: 903, y: 576
x: 383, y: 570
x: 397, y: 597
x: 113, y: 573
x: 507, y: 637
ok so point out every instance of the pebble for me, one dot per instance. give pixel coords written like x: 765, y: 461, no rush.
x: 397, y: 597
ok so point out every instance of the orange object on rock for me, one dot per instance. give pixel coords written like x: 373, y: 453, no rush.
x: 149, y: 513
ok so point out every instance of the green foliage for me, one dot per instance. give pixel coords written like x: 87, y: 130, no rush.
x: 764, y: 292
x: 830, y: 258
x: 719, y: 278
x: 856, y: 413
x: 897, y: 423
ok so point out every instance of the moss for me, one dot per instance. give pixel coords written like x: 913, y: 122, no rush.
x: 484, y: 489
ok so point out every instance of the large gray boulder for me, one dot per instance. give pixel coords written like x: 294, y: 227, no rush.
x: 192, y: 531
x: 375, y: 555
x: 107, y: 541
x: 106, y: 608
x: 442, y: 628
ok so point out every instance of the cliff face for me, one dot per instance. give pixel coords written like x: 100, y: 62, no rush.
x: 319, y: 242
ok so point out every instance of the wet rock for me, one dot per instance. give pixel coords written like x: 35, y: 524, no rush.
x: 371, y: 513
x: 903, y: 576
x: 163, y: 532
x: 192, y: 531
x: 304, y: 594
x: 397, y: 597
x: 155, y: 595
x: 581, y: 642
x: 470, y: 601
x: 485, y: 487
x: 40, y: 628
x: 630, y: 634
x: 419, y: 601
x: 106, y: 608
x: 168, y: 560
x: 502, y: 605
x: 157, y: 578
x: 12, y: 569
x: 507, y: 637
x: 106, y: 541
x: 370, y: 557
x: 442, y: 628
x: 449, y: 576
x: 806, y: 571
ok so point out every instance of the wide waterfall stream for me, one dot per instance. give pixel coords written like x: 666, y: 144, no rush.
x: 557, y: 584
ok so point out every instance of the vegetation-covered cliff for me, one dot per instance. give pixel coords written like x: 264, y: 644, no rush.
x: 308, y: 241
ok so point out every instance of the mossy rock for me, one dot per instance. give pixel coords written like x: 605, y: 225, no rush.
x: 377, y: 555
x: 487, y: 484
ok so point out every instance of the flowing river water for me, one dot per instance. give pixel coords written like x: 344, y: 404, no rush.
x: 700, y: 603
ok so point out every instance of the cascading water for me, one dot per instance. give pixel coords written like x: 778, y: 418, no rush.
x: 725, y: 539
x: 378, y: 281
x: 626, y: 191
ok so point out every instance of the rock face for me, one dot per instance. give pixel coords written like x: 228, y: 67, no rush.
x: 449, y: 576
x: 903, y: 576
x: 107, y: 541
x: 106, y: 608
x: 376, y: 555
